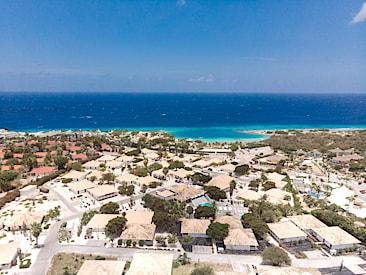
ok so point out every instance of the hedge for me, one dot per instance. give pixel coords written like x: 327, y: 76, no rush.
x: 25, y: 263
x: 45, y: 179
x: 10, y: 196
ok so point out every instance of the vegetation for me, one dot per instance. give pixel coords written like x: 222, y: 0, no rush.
x: 275, y: 256
x: 126, y: 189
x: 204, y: 270
x: 217, y: 231
x: 110, y: 208
x: 199, y: 178
x: 204, y: 212
x: 215, y: 193
x: 115, y: 226
x: 259, y: 227
x: 87, y: 216
x: 241, y: 169
x: 36, y: 229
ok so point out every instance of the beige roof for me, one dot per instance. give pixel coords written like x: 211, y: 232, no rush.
x: 306, y: 221
x: 97, y: 174
x: 194, y: 226
x: 100, y: 220
x: 125, y: 158
x: 93, y: 164
x: 165, y: 194
x: 222, y: 181
x: 284, y: 230
x: 234, y: 222
x: 276, y: 195
x: 114, y: 164
x: 81, y: 185
x: 105, y: 267
x: 127, y: 178
x: 7, y: 252
x: 106, y: 158
x: 143, y: 217
x: 228, y: 167
x: 181, y: 173
x: 184, y: 192
x: 75, y: 175
x: 26, y: 218
x: 336, y: 235
x: 164, y: 163
x: 146, y: 180
x: 249, y: 195
x: 214, y: 160
x: 277, y: 179
x: 201, y: 163
x: 151, y: 264
x: 146, y: 151
x: 152, y: 155
x: 102, y: 190
x: 137, y: 231
x: 241, y: 236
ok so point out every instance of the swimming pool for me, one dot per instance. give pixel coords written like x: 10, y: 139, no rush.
x: 201, y: 201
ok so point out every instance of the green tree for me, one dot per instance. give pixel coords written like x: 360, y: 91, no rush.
x: 61, y: 162
x: 184, y: 259
x: 259, y: 227
x: 176, y: 164
x: 268, y: 185
x: 162, y: 220
x: 215, y: 193
x: 204, y: 212
x: 275, y: 256
x: 109, y: 177
x: 127, y: 190
x: 217, y: 231
x: 76, y: 166
x: 110, y: 208
x: 241, y: 169
x: 36, y: 229
x: 115, y: 226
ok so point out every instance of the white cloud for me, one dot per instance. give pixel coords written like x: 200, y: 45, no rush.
x: 208, y: 78
x: 360, y: 16
x: 181, y: 2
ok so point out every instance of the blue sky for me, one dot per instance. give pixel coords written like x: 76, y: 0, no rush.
x: 302, y: 46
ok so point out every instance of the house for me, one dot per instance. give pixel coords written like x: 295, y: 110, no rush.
x: 249, y: 195
x: 106, y: 158
x: 165, y: 195
x: 103, y: 192
x: 81, y: 186
x: 151, y: 264
x: 79, y: 157
x: 278, y: 196
x: 8, y: 254
x: 91, y: 165
x: 40, y: 154
x: 241, y: 239
x: 41, y: 171
x: 159, y: 174
x: 306, y: 222
x: 106, y: 267
x: 234, y: 222
x: 277, y: 179
x: 114, y: 164
x: 196, y: 228
x: 98, y: 222
x: 228, y: 168
x: 179, y: 174
x: 24, y: 220
x: 185, y: 193
x: 75, y: 175
x: 145, y: 180
x: 128, y: 178
x: 95, y: 174
x: 271, y: 160
x: 222, y: 182
x: 286, y: 232
x: 141, y: 217
x: 139, y: 232
x: 335, y: 237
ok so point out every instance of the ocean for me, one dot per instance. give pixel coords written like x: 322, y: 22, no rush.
x: 212, y: 117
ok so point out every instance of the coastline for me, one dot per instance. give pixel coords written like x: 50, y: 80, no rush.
x: 212, y: 134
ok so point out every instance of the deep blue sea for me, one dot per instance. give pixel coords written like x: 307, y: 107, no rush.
x: 209, y: 116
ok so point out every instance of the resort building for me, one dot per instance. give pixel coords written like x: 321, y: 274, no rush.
x: 286, y: 232
x: 8, y: 254
x: 179, y: 174
x: 165, y: 195
x: 114, y: 164
x: 103, y: 192
x: 307, y: 222
x: 141, y: 217
x: 105, y: 267
x: 139, y: 232
x: 98, y: 222
x: 241, y: 239
x: 24, y: 220
x: 249, y: 195
x: 234, y: 222
x: 185, y: 193
x: 75, y: 175
x: 335, y: 237
x: 81, y: 186
x: 222, y: 182
x: 127, y: 178
x: 41, y: 171
x: 106, y: 158
x: 151, y: 264
x: 195, y: 228
x: 91, y: 165
x: 278, y: 196
x: 277, y: 179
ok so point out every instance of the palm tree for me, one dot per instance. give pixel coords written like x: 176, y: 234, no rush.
x: 36, y: 229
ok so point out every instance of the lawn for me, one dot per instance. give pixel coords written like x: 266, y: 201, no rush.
x: 72, y: 261
x: 188, y: 268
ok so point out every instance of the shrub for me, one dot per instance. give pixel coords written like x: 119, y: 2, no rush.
x: 66, y: 180
x: 100, y: 258
x: 141, y: 242
x: 119, y: 242
x: 128, y: 242
x: 25, y: 263
x: 275, y: 256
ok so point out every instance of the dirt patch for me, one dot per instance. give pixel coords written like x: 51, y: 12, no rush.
x: 188, y: 268
x: 73, y: 262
